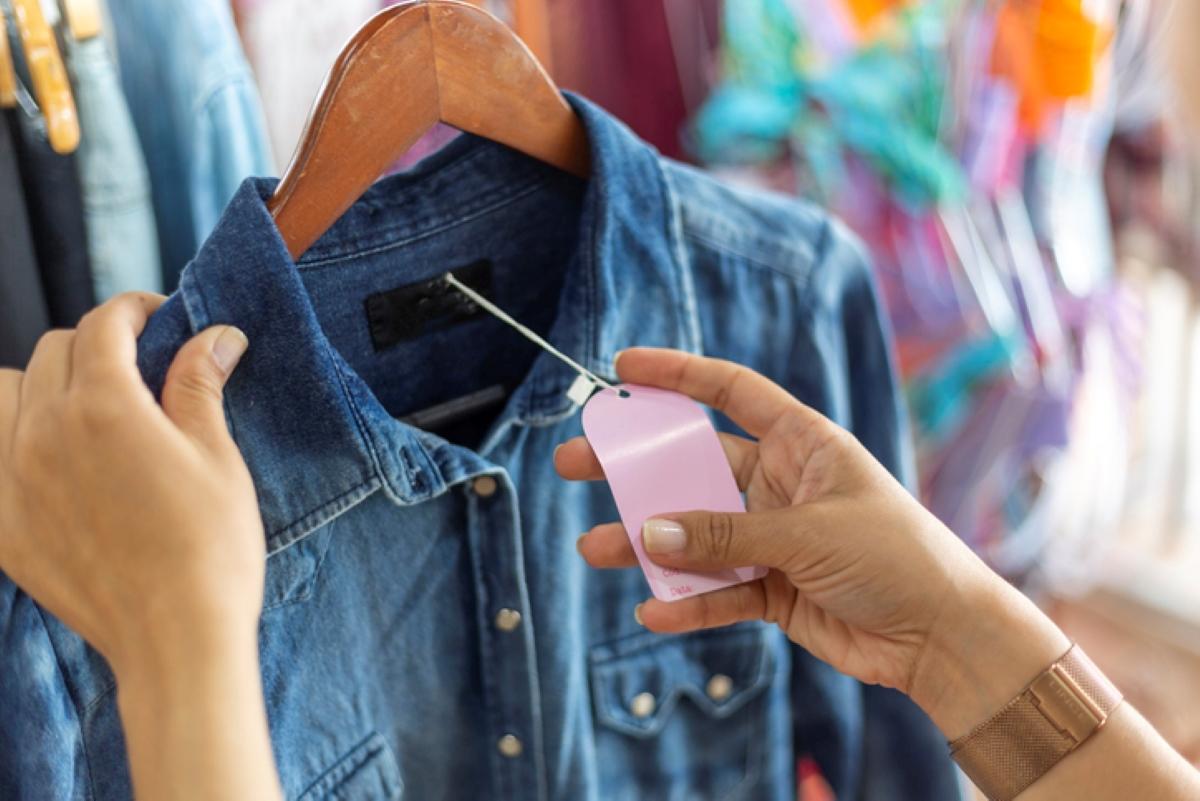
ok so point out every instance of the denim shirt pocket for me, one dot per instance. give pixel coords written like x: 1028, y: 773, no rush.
x: 292, y: 572
x: 367, y: 773
x: 683, y: 716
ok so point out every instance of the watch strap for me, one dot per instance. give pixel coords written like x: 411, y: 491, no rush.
x: 1049, y: 719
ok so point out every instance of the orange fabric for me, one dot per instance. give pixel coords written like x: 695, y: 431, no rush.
x: 865, y: 12
x: 1048, y: 51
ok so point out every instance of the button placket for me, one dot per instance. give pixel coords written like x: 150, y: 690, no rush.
x: 505, y: 638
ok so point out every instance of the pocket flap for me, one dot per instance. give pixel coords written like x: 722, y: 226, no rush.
x: 638, y: 681
x: 368, y: 771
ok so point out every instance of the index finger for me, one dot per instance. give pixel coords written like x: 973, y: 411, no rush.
x: 106, y: 339
x: 749, y: 399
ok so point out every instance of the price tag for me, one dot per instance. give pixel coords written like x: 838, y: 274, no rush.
x: 660, y: 454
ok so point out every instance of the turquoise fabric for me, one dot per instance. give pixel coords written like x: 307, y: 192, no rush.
x: 882, y: 103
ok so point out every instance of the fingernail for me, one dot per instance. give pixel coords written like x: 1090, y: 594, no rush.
x: 637, y: 614
x: 228, y: 348
x: 579, y: 543
x: 663, y: 536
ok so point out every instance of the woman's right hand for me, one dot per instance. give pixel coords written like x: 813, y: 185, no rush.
x: 135, y: 524
x: 861, y: 574
x: 138, y: 526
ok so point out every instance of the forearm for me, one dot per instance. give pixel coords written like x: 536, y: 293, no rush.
x: 195, y: 721
x: 991, y: 653
x: 1125, y: 759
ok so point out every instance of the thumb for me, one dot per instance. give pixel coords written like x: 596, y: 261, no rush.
x: 718, y: 540
x: 195, y: 382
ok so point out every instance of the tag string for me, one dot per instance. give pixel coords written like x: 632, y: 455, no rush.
x: 528, y: 333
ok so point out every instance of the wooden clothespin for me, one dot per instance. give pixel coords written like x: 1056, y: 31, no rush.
x: 84, y: 18
x: 8, y: 73
x: 51, y: 87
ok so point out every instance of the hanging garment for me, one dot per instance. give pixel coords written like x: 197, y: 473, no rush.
x: 196, y: 111
x: 23, y: 315
x: 428, y: 624
x: 290, y: 45
x: 54, y: 201
x: 621, y: 53
x: 789, y: 90
x: 122, y: 239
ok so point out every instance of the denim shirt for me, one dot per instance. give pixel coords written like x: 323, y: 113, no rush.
x: 428, y: 629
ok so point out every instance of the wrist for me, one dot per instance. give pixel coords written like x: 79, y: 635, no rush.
x: 165, y: 632
x: 194, y: 716
x: 989, y: 643
x: 180, y: 654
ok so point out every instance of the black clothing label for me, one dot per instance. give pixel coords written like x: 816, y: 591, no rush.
x: 412, y: 311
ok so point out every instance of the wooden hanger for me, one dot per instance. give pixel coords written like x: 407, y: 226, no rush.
x: 51, y: 87
x: 8, y: 73
x: 409, y: 67
x: 531, y: 21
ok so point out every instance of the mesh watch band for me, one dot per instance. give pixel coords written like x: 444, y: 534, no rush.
x: 1048, y: 720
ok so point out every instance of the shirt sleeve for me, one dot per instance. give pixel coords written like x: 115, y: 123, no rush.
x: 879, y: 416
x: 41, y: 741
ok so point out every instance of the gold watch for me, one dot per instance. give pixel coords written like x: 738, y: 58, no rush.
x: 1049, y: 719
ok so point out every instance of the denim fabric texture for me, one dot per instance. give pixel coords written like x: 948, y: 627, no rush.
x: 122, y: 239
x: 387, y: 671
x: 897, y: 744
x: 197, y: 113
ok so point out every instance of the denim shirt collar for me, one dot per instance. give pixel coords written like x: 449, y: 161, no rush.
x: 327, y: 442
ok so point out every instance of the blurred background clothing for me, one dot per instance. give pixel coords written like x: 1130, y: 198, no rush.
x: 23, y: 314
x: 54, y: 204
x: 197, y: 111
x: 118, y: 206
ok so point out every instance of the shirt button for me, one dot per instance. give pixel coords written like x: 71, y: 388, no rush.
x: 510, y: 746
x: 642, y: 705
x: 484, y: 486
x: 719, y: 687
x: 508, y: 619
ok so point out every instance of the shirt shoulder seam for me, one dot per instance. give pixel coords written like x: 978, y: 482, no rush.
x: 802, y: 277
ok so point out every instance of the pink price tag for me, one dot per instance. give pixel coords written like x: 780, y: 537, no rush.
x: 660, y: 454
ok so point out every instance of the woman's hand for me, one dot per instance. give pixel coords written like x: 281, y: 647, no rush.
x: 861, y: 574
x: 137, y: 525
x: 132, y: 523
